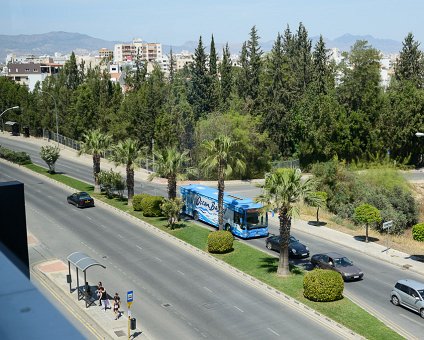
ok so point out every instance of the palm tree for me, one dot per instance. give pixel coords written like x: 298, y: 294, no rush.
x: 129, y: 153
x: 282, y: 190
x: 169, y: 163
x: 95, y: 143
x: 223, y: 157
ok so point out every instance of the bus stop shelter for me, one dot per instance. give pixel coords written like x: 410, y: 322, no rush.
x: 81, y: 262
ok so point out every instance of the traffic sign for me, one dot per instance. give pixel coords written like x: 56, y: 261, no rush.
x: 387, y: 225
x: 130, y: 296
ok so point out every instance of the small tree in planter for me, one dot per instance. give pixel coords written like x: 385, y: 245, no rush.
x: 367, y: 214
x: 171, y: 209
x: 50, y: 154
x: 317, y: 200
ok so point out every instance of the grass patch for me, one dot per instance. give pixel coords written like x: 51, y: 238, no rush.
x: 251, y: 261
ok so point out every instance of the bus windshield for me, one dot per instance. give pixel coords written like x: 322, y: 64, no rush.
x: 254, y: 220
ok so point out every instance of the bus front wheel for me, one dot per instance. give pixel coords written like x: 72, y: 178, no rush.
x: 227, y: 227
x: 195, y: 216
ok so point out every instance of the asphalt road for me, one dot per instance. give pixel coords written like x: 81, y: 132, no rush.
x: 177, y: 295
x: 372, y: 292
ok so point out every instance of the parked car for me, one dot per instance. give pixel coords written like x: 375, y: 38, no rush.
x: 338, y: 263
x: 81, y: 199
x: 296, y: 248
x: 410, y: 294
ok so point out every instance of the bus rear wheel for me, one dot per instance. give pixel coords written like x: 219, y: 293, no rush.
x: 195, y: 216
x: 227, y: 227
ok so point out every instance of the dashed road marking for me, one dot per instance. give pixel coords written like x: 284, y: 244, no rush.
x: 208, y: 289
x: 272, y: 331
x: 180, y: 272
x: 238, y: 309
x: 139, y: 247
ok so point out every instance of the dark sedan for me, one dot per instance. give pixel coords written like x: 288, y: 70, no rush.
x: 296, y: 249
x: 338, y: 263
x: 81, y: 199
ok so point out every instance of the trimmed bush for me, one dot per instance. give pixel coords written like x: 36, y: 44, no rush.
x: 17, y: 157
x: 418, y: 232
x: 137, y: 199
x: 323, y: 285
x: 151, y: 206
x: 220, y: 241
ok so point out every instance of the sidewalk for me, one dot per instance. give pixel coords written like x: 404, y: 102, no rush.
x: 100, y: 323
x: 372, y: 249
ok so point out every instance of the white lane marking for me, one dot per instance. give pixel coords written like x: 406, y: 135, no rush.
x: 272, y: 331
x: 103, y: 226
x: 120, y: 236
x: 139, y: 247
x: 410, y: 319
x: 180, y: 272
x: 208, y: 289
x: 89, y: 218
x: 238, y: 309
x: 157, y: 258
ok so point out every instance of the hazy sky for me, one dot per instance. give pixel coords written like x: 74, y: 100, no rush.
x: 176, y: 21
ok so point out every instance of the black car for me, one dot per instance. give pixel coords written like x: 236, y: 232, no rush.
x: 338, y: 263
x: 296, y: 249
x: 81, y: 199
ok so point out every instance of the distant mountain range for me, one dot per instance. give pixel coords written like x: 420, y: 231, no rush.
x: 65, y: 43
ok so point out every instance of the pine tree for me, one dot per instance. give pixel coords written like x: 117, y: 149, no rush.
x: 72, y: 75
x: 410, y: 64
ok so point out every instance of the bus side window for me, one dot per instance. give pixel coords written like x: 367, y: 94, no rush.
x: 237, y: 218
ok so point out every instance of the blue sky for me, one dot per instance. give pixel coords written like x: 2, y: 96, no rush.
x: 175, y: 22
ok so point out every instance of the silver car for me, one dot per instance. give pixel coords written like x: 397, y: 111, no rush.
x: 410, y: 294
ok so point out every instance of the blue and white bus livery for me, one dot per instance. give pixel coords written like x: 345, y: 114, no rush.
x: 242, y: 216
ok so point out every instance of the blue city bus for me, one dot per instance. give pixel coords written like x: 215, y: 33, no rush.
x: 242, y: 216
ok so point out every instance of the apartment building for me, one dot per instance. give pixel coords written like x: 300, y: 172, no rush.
x: 182, y: 59
x: 29, y: 73
x: 146, y: 51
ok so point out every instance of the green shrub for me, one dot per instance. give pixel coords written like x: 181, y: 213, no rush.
x: 418, y: 232
x: 137, y: 199
x: 15, y: 156
x: 151, y: 206
x: 323, y: 285
x: 220, y: 241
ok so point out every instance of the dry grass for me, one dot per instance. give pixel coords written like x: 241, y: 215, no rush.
x: 403, y: 243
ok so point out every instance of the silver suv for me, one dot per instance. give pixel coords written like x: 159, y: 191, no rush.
x: 410, y: 294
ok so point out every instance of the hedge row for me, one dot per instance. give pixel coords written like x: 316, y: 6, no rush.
x: 21, y: 158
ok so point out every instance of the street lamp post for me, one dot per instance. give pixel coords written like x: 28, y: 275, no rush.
x: 1, y: 114
x: 57, y: 120
x: 420, y: 134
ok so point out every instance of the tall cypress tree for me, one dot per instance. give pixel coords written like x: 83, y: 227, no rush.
x: 214, y: 92
x: 243, y: 75
x: 171, y: 66
x: 303, y: 46
x: 212, y: 59
x: 226, y: 75
x: 254, y: 54
x: 199, y: 94
x: 323, y: 79
x: 410, y: 64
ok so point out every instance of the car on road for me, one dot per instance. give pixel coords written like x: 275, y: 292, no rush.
x: 339, y: 263
x: 296, y: 248
x: 81, y: 199
x: 410, y: 294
